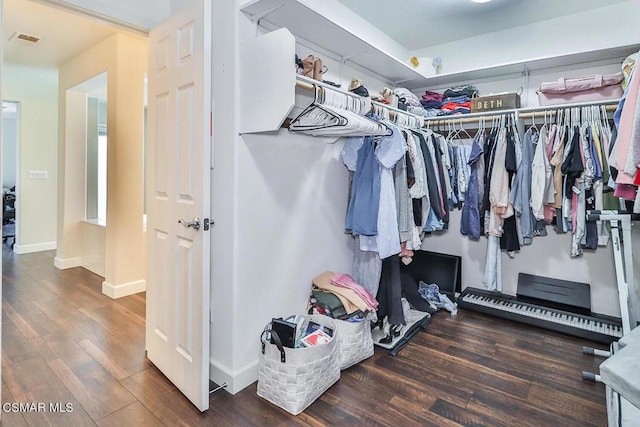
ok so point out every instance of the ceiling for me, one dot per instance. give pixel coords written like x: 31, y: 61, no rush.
x: 63, y: 35
x: 413, y: 23
x: 417, y: 24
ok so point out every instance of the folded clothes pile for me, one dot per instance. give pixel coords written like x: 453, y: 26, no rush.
x: 469, y: 91
x: 460, y: 104
x: 431, y: 102
x: 406, y: 97
x: 432, y: 96
x: 338, y: 295
x: 456, y: 100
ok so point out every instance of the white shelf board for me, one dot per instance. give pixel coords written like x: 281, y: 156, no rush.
x: 305, y: 23
x: 268, y: 81
x: 308, y: 24
x: 532, y: 64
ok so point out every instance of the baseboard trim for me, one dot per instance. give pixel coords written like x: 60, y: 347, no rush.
x: 235, y: 380
x: 64, y: 263
x: 123, y: 290
x: 36, y: 247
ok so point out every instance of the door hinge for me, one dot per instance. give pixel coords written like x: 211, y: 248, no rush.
x: 206, y: 224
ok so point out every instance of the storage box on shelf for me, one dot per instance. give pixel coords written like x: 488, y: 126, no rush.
x: 495, y: 102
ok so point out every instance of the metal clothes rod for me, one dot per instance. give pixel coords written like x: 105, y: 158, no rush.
x: 571, y: 105
x: 541, y: 113
x: 520, y: 114
x: 461, y: 119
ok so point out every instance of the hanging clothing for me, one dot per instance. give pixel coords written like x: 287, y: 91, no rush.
x: 629, y: 120
x: 556, y: 164
x: 443, y: 176
x: 542, y: 192
x: 416, y: 159
x: 367, y: 267
x: 572, y: 166
x: 470, y: 222
x: 499, y: 188
x: 390, y: 149
x: 521, y: 196
x: 389, y: 294
x: 404, y: 207
x: 358, y: 156
x: 492, y: 279
x: 463, y: 167
x: 435, y: 199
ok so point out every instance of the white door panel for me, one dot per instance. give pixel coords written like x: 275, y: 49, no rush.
x: 179, y: 145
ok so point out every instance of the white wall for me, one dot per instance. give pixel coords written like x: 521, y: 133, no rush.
x: 123, y: 57
x: 595, y: 29
x: 36, y: 89
x: 93, y: 247
x: 225, y: 250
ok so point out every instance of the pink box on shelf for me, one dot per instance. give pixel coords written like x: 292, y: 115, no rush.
x: 590, y: 95
x: 591, y: 88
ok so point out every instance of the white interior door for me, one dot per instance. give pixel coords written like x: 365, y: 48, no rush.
x: 178, y: 170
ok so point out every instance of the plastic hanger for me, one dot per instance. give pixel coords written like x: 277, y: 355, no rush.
x: 315, y: 115
x: 533, y: 123
x: 334, y: 113
x: 463, y: 131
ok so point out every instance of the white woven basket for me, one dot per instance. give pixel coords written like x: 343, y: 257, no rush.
x: 354, y: 342
x: 305, y: 373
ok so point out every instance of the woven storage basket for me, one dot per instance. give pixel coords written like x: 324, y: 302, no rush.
x: 354, y: 342
x: 294, y: 378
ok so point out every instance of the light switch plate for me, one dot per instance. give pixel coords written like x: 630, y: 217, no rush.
x: 38, y: 175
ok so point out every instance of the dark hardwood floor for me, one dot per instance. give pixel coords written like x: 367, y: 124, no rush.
x: 65, y: 342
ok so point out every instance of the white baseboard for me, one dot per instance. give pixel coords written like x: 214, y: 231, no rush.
x: 37, y: 247
x: 235, y: 380
x: 123, y: 290
x: 64, y: 263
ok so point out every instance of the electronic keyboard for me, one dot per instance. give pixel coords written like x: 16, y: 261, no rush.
x: 593, y: 327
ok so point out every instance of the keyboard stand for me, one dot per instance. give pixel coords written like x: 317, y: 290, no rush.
x: 623, y: 258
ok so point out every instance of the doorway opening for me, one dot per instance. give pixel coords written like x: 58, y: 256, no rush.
x: 10, y: 141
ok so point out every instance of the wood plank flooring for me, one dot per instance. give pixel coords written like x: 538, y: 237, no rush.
x: 64, y: 342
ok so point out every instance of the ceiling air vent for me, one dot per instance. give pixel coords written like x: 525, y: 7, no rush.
x: 29, y: 38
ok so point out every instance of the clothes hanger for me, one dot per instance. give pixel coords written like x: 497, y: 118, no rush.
x: 533, y: 123
x: 464, y: 131
x: 328, y: 115
x: 544, y: 120
x: 451, y: 130
x: 315, y: 115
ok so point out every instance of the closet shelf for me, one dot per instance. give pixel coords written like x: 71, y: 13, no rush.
x: 268, y: 86
x: 533, y: 64
x: 307, y: 20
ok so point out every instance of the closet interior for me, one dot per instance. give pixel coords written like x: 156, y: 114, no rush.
x: 538, y: 227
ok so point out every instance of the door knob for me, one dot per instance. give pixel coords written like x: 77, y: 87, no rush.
x: 195, y: 224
